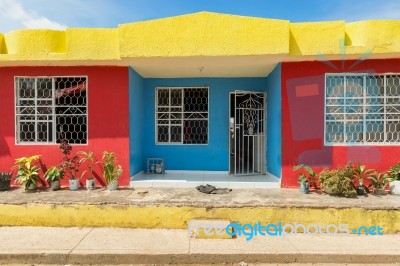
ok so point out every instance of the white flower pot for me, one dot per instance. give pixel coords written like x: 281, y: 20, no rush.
x: 113, y: 185
x: 394, y: 187
x: 73, y: 184
x: 90, y: 184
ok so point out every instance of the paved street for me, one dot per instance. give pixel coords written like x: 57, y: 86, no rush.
x: 226, y: 264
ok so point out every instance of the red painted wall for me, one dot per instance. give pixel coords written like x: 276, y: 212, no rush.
x: 303, y: 91
x: 108, y: 117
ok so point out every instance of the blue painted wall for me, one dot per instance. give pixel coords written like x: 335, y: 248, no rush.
x: 211, y: 157
x: 274, y: 126
x: 136, y: 110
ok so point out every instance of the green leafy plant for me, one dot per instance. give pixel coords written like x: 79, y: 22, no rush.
x: 89, y: 159
x: 54, y: 173
x: 27, y: 171
x: 302, y: 178
x: 110, y: 167
x: 379, y: 180
x: 361, y: 173
x: 394, y: 172
x: 310, y: 175
x: 338, y: 181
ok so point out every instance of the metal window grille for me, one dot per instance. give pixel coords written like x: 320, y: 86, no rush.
x: 182, y: 115
x: 362, y: 109
x: 49, y: 109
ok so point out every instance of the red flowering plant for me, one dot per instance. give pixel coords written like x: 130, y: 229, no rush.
x: 70, y: 164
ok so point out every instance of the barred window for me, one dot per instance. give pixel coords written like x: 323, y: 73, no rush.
x: 49, y: 109
x: 182, y: 115
x: 362, y: 109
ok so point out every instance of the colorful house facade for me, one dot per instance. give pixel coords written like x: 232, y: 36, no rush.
x: 205, y: 92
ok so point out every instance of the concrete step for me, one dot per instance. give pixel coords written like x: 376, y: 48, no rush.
x: 110, y: 246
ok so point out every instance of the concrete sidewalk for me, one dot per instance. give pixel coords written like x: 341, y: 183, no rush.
x: 190, y: 197
x: 52, y: 245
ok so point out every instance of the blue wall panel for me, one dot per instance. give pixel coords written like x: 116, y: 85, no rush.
x: 274, y: 126
x: 136, y: 133
x: 211, y: 157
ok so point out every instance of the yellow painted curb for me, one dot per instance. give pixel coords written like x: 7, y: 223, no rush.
x: 179, y: 217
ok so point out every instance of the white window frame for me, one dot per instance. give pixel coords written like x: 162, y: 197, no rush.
x: 364, y: 120
x: 156, y: 116
x: 54, y: 142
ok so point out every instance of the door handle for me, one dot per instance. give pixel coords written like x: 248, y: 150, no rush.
x: 232, y: 135
x: 232, y: 140
x: 232, y: 127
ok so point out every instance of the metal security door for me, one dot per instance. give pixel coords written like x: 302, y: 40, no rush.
x: 247, y: 133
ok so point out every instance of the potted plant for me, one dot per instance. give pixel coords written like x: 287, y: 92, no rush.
x: 304, y: 184
x: 5, y: 181
x: 27, y: 171
x: 111, y: 170
x: 361, y: 172
x: 394, y: 184
x: 70, y: 165
x: 53, y: 175
x: 338, y: 181
x: 88, y: 157
x: 306, y: 180
x: 379, y: 181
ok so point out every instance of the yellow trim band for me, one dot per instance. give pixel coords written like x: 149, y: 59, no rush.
x: 179, y: 217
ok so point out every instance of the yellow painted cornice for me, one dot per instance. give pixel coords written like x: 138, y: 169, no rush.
x: 312, y: 38
x: 204, y: 34
x: 375, y: 36
x: 200, y: 34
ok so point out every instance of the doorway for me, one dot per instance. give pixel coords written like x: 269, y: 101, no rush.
x: 247, y: 133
